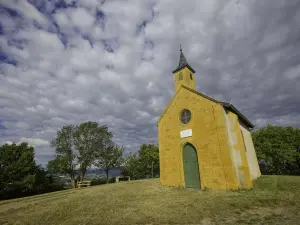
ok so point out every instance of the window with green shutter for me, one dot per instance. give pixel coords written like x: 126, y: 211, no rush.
x: 180, y: 76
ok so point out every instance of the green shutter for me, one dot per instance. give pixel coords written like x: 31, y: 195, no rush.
x: 180, y: 76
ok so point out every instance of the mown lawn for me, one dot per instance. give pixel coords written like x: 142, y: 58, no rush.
x: 273, y: 200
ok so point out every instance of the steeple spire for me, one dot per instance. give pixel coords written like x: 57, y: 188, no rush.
x: 183, y: 62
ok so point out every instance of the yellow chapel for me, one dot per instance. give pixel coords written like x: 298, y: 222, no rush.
x: 203, y: 142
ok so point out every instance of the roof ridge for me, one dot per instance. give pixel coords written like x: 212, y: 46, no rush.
x: 199, y: 93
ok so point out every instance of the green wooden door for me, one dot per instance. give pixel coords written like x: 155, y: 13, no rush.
x: 190, y: 167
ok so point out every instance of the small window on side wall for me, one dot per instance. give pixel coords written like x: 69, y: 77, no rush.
x: 180, y: 76
x: 191, y: 76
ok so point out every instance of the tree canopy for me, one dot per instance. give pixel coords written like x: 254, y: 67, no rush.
x: 19, y: 174
x: 143, y: 164
x: 17, y: 167
x: 89, y: 139
x: 110, y: 156
x: 66, y: 158
x: 278, y: 148
x: 78, y: 147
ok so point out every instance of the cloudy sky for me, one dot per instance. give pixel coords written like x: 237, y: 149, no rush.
x: 67, y: 62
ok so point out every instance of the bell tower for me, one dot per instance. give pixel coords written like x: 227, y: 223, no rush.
x: 184, y: 74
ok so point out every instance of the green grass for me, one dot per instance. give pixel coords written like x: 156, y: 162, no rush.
x: 273, y: 200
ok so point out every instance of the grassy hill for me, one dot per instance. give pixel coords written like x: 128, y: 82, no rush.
x: 273, y: 200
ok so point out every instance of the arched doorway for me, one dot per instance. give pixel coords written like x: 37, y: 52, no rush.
x: 190, y: 167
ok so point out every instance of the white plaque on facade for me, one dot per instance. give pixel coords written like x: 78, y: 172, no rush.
x: 186, y: 133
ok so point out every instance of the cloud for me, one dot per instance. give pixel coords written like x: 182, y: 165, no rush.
x: 25, y: 9
x: 33, y: 141
x: 43, y: 147
x: 6, y: 142
x: 67, y: 62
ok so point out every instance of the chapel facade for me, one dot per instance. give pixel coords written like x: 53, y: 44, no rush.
x: 203, y: 142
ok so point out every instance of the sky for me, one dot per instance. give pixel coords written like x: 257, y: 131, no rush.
x: 68, y: 62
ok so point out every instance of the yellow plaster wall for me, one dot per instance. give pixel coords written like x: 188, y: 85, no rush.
x: 231, y: 142
x: 186, y: 80
x: 239, y: 152
x: 209, y: 137
x: 250, y: 152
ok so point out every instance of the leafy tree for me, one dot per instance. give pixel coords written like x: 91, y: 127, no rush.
x: 42, y: 183
x: 78, y: 146
x: 89, y: 138
x: 149, y: 159
x: 66, y: 155
x: 109, y: 156
x: 278, y: 148
x: 17, y: 169
x: 143, y: 164
x: 131, y: 166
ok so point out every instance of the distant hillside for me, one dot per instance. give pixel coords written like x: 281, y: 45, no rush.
x: 97, y: 176
x: 274, y: 200
x: 113, y: 172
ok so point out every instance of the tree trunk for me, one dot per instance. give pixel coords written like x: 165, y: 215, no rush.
x: 73, y: 181
x: 106, y: 170
x: 72, y: 176
x: 82, y: 176
x: 82, y: 173
x: 152, y: 169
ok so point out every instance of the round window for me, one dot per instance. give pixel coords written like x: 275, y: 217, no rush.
x: 185, y: 116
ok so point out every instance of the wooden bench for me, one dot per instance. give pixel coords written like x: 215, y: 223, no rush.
x: 120, y: 178
x: 85, y: 183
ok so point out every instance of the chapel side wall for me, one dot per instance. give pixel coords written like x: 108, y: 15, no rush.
x: 240, y: 156
x: 225, y: 148
x: 231, y: 142
x: 209, y: 138
x: 250, y: 152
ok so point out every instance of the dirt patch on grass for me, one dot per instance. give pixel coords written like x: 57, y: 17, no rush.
x: 265, y: 211
x: 206, y: 221
x: 258, y: 215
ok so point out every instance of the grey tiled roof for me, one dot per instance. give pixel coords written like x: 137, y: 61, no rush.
x: 230, y: 107
x: 183, y: 63
x: 226, y: 105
